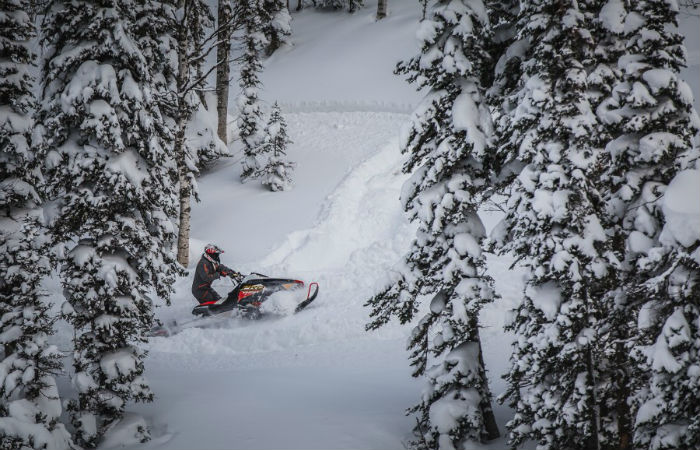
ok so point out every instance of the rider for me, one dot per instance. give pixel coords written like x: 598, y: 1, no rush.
x: 209, y: 269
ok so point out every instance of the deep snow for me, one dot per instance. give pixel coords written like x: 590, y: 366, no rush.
x: 317, y: 379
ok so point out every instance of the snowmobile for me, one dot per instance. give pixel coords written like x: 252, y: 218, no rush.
x: 251, y: 293
x: 245, y: 299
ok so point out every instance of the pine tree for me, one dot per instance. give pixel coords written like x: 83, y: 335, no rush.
x: 617, y: 322
x: 113, y: 187
x: 251, y: 120
x: 351, y: 5
x: 651, y: 123
x: 548, y: 165
x: 447, y: 142
x: 276, y: 174
x: 30, y: 406
x: 17, y: 181
x: 276, y: 22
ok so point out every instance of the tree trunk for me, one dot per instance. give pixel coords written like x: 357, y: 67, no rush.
x: 486, y: 408
x: 593, y: 440
x: 624, y: 419
x: 381, y: 9
x: 183, y: 237
x: 223, y: 69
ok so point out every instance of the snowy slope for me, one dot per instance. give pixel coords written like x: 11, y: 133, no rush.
x: 317, y: 379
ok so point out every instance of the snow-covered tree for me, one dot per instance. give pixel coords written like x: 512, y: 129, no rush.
x: 17, y: 179
x: 113, y: 185
x: 350, y: 5
x: 251, y: 117
x: 650, y: 120
x: 277, y: 173
x: 616, y: 321
x: 549, y: 163
x: 277, y: 24
x: 381, y: 9
x: 30, y: 406
x: 447, y: 142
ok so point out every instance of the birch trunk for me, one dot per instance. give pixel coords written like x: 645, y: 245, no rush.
x: 223, y: 69
x: 381, y: 9
x: 183, y: 237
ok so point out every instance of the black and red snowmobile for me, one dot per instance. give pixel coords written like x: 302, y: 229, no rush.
x: 243, y: 301
x: 252, y: 292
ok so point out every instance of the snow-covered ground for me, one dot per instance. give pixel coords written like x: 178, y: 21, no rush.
x: 316, y: 379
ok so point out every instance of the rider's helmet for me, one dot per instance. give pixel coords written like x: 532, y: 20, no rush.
x: 212, y: 250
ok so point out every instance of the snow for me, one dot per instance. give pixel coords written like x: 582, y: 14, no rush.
x: 318, y: 379
x: 612, y: 16
x: 681, y: 207
x: 546, y: 297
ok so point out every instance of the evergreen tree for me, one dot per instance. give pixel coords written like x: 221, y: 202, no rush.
x: 112, y: 181
x: 548, y: 165
x: 29, y: 403
x: 276, y: 174
x: 30, y: 407
x: 276, y: 22
x: 350, y: 5
x: 251, y: 118
x: 447, y: 142
x: 617, y: 322
x: 17, y: 179
x: 651, y: 123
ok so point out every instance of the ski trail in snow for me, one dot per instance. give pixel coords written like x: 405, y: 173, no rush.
x: 360, y: 234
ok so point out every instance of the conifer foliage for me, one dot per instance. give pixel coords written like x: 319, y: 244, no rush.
x: 553, y: 226
x: 29, y: 404
x: 30, y: 407
x: 277, y: 173
x: 251, y: 118
x: 447, y: 141
x: 276, y: 24
x: 651, y: 119
x: 16, y: 103
x: 113, y: 182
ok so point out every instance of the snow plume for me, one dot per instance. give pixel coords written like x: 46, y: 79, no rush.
x: 112, y: 179
x: 446, y: 140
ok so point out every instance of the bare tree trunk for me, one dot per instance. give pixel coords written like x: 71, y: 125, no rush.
x: 223, y: 69
x: 486, y: 408
x: 381, y: 9
x: 183, y: 237
x: 299, y: 5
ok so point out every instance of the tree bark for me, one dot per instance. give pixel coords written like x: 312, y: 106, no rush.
x: 183, y: 237
x: 486, y: 408
x: 223, y: 69
x: 381, y: 9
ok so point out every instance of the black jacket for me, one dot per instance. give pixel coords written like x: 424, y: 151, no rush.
x: 205, y: 273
